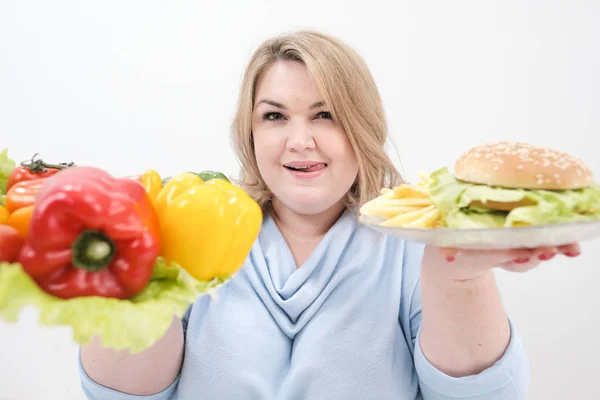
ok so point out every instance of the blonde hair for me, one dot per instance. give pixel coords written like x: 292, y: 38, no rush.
x: 347, y: 87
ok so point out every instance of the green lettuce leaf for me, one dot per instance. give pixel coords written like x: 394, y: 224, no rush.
x: 133, y: 324
x: 465, y: 219
x: 6, y: 167
x: 445, y: 191
x: 453, y: 198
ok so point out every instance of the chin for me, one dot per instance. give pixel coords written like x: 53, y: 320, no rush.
x: 308, y: 208
x: 310, y: 204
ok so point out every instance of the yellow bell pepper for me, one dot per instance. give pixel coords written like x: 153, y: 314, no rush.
x: 207, y: 228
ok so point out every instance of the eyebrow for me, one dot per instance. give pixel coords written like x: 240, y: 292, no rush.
x: 282, y: 107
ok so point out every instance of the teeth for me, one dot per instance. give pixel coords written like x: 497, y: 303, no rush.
x: 304, y: 167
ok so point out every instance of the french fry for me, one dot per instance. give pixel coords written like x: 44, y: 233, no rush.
x: 405, y: 201
x: 405, y: 205
x: 405, y: 190
x: 375, y: 208
x: 405, y: 218
x: 389, y: 199
x: 426, y: 220
x: 389, y: 211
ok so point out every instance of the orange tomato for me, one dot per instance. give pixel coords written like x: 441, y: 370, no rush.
x: 4, y: 213
x: 21, y: 219
x: 23, y: 194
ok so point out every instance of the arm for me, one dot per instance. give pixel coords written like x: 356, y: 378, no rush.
x: 447, y: 321
x: 145, y: 373
x: 465, y: 329
x: 153, y: 373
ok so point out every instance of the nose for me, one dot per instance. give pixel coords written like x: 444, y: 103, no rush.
x: 300, y: 138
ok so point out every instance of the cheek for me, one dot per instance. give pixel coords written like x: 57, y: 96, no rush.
x: 348, y: 167
x: 341, y: 153
x: 268, y: 150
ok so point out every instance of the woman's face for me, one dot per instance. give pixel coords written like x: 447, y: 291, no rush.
x: 303, y: 155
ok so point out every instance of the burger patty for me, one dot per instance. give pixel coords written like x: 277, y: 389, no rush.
x: 503, y: 206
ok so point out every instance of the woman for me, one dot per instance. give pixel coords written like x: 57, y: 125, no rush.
x: 325, y: 308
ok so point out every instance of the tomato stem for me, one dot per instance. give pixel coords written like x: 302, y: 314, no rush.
x: 40, y: 165
x: 93, y: 251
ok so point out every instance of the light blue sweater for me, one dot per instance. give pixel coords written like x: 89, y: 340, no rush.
x: 343, y: 326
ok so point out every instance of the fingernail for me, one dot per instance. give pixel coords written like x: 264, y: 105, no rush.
x: 546, y: 256
x: 450, y: 258
x: 572, y: 253
x: 522, y: 260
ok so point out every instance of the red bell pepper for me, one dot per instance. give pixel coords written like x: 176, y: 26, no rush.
x: 91, y: 234
x: 10, y: 244
x: 34, y: 169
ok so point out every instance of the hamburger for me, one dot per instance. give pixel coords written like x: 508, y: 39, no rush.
x: 508, y: 184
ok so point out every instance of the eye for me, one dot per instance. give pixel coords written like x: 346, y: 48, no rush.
x: 272, y: 116
x: 324, y: 115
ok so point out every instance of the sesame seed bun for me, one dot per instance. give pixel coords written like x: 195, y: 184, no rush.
x: 519, y: 165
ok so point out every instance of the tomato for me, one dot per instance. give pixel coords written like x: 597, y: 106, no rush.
x: 22, y: 174
x: 4, y: 213
x: 10, y: 244
x: 23, y: 194
x: 34, y: 169
x: 21, y: 219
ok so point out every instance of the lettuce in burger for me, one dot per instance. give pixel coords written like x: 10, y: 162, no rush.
x: 507, y: 184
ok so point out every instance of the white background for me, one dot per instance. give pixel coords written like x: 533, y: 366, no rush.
x: 128, y: 85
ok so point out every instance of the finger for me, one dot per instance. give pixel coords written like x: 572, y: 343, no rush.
x: 494, y: 257
x: 538, y: 255
x: 545, y: 253
x: 449, y: 253
x: 520, y: 267
x: 570, y: 250
x: 521, y: 257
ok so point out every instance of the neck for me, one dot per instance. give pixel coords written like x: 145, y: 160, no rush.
x: 305, y: 227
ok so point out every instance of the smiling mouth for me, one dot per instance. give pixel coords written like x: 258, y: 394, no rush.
x: 306, y: 167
